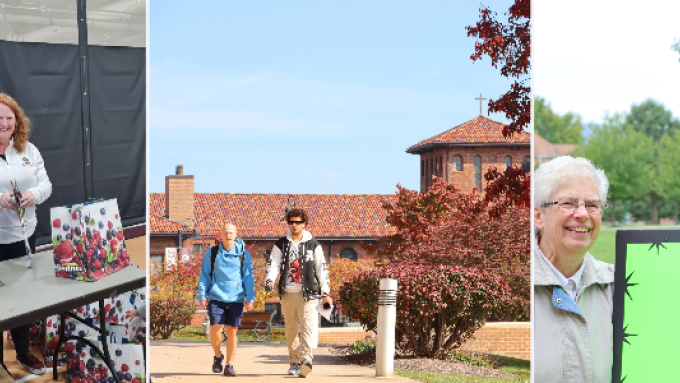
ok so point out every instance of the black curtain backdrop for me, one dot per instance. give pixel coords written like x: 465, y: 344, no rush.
x: 46, y: 81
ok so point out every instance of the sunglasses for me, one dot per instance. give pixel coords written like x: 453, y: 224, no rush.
x: 295, y: 223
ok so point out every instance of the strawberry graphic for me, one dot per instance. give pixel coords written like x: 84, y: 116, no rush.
x: 119, y: 235
x: 110, y: 225
x: 294, y: 273
x: 56, y: 223
x: 79, y: 248
x: 74, y: 215
x: 65, y: 250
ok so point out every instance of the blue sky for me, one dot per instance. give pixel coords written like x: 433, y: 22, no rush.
x: 307, y: 96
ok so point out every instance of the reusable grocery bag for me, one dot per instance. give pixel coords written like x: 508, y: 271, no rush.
x: 87, y: 240
x: 84, y: 364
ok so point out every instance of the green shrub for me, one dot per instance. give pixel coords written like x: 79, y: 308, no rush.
x: 360, y: 347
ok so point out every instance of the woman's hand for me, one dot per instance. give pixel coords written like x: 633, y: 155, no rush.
x: 7, y: 202
x: 27, y: 199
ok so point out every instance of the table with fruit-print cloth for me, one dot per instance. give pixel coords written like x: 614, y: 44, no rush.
x: 32, y: 294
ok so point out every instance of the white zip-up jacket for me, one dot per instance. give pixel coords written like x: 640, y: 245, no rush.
x: 313, y: 271
x: 28, y: 170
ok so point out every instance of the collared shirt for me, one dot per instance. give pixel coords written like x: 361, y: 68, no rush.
x: 570, y: 285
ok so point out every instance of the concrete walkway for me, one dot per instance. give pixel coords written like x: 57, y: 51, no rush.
x: 173, y: 362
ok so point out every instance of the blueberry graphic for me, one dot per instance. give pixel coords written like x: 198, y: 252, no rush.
x: 77, y: 231
x: 59, y: 237
x: 101, y: 224
x: 119, y: 303
x: 92, y: 353
x: 119, y: 352
x: 114, y: 232
x: 109, y: 235
x: 128, y: 376
x: 102, y: 211
x: 112, y: 379
x: 132, y: 298
x: 72, y: 327
x: 66, y: 227
x: 88, y: 233
x: 91, y: 364
x: 54, y: 325
x: 68, y: 237
x: 104, y: 242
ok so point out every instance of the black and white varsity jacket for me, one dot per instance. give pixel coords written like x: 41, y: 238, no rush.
x: 313, y: 271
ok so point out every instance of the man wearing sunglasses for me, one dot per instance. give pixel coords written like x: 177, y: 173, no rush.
x: 299, y: 259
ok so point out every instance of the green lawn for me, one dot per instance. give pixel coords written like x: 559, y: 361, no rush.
x: 430, y: 377
x: 604, y: 248
x: 196, y: 334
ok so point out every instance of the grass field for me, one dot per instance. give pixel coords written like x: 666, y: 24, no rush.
x: 604, y: 248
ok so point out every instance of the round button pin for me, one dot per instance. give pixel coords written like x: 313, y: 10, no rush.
x: 558, y: 300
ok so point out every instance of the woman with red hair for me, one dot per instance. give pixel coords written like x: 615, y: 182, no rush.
x: 21, y: 164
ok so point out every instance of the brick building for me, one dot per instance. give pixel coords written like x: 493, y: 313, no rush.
x: 462, y: 154
x: 341, y: 222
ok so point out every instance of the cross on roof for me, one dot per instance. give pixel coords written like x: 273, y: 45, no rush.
x: 480, y: 103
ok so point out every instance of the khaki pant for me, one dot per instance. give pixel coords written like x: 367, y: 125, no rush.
x: 298, y: 316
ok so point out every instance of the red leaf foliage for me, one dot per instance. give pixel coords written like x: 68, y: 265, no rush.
x: 438, y: 306
x: 508, y: 45
x: 447, y: 227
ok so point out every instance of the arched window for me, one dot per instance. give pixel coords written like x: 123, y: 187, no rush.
x: 458, y: 163
x: 348, y: 253
x: 508, y: 161
x: 478, y: 173
x: 526, y: 164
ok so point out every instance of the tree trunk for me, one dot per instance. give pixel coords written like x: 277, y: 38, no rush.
x: 653, y: 198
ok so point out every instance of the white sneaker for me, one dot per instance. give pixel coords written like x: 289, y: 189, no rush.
x: 305, y: 369
x: 294, y: 369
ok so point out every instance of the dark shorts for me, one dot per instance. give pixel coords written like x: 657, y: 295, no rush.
x: 229, y: 313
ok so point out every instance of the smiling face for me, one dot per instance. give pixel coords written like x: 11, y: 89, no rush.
x: 7, y: 123
x: 565, y: 234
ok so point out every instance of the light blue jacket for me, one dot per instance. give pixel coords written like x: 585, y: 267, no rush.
x: 228, y: 283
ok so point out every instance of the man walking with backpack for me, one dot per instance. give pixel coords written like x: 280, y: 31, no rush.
x: 299, y: 259
x: 227, y: 279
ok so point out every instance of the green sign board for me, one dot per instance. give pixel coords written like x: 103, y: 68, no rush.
x: 646, y: 306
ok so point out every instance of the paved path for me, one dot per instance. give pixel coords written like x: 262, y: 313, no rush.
x: 175, y: 362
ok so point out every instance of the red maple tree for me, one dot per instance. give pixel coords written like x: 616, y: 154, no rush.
x: 447, y: 227
x: 509, y: 46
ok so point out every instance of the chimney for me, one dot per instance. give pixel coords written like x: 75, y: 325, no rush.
x: 179, y: 196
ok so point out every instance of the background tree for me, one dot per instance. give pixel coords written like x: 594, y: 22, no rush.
x: 652, y: 119
x: 676, y: 47
x: 557, y: 129
x: 669, y: 163
x: 626, y: 156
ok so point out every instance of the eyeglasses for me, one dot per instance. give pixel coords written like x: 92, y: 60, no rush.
x: 570, y: 205
x: 295, y: 223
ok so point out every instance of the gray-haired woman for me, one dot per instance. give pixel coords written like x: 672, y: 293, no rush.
x: 572, y: 291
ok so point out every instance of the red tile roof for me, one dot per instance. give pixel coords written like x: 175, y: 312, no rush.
x: 259, y: 215
x: 479, y: 130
